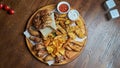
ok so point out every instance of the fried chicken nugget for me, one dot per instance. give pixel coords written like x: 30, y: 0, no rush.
x: 48, y: 58
x: 41, y: 54
x: 33, y: 32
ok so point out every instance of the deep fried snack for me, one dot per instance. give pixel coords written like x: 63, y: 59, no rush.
x: 58, y: 32
x: 61, y: 29
x: 62, y: 51
x: 83, y: 31
x: 68, y: 48
x: 79, y: 23
x: 42, y: 53
x: 70, y: 54
x: 75, y: 47
x: 59, y: 59
x: 50, y: 49
x: 42, y: 19
x: 48, y: 58
x: 71, y: 35
x: 45, y: 12
x: 38, y: 47
x: 35, y: 39
x: 46, y: 42
x: 62, y: 24
x: 79, y: 33
x: 67, y: 22
x: 77, y: 42
x: 60, y: 19
x: 37, y: 22
x: 33, y: 32
x: 66, y: 43
x: 62, y: 15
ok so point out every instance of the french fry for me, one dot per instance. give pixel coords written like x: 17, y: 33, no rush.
x: 60, y: 19
x: 62, y: 51
x: 70, y: 54
x: 62, y: 24
x: 49, y: 49
x: 71, y: 35
x: 66, y: 43
x: 61, y: 29
x: 80, y: 23
x: 58, y: 32
x: 68, y: 48
x: 77, y: 43
x: 75, y: 47
x: 65, y: 57
x: 58, y: 54
x: 67, y: 22
x: 71, y: 28
x: 46, y: 42
x: 79, y: 33
x: 83, y: 31
x: 62, y: 15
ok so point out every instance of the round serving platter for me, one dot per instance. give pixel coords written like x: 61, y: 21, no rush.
x: 30, y: 45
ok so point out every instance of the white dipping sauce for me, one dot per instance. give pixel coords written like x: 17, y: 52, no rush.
x: 73, y: 15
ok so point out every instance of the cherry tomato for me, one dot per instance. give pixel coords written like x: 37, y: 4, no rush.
x: 11, y: 11
x: 1, y: 6
x: 6, y: 7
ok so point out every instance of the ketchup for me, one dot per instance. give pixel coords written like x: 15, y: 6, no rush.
x: 63, y: 7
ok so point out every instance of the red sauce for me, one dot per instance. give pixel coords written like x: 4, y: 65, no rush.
x: 63, y: 7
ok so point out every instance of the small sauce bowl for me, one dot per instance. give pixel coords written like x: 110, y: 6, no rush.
x: 63, y: 7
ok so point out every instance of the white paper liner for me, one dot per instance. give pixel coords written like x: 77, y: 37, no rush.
x: 50, y: 62
x: 53, y: 25
x: 79, y: 39
x: 27, y: 34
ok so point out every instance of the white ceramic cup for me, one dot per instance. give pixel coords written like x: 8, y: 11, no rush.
x: 63, y: 2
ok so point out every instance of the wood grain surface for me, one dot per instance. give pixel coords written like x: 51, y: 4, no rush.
x: 103, y: 45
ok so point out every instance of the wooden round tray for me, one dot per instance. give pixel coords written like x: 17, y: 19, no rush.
x: 29, y: 44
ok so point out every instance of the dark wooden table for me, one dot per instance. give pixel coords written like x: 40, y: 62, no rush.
x: 103, y: 45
